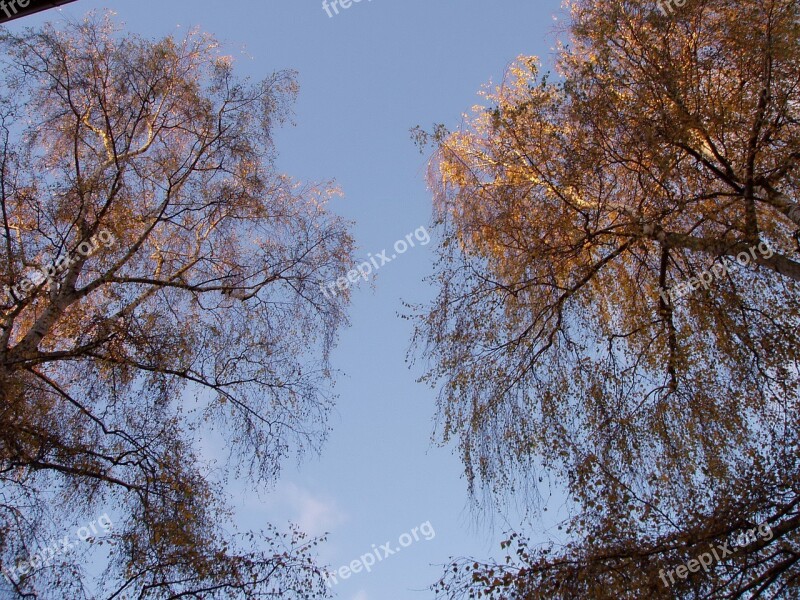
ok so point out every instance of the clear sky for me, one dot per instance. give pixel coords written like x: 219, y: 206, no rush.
x: 367, y: 76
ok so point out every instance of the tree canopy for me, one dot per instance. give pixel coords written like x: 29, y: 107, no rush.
x: 161, y: 280
x: 618, y: 300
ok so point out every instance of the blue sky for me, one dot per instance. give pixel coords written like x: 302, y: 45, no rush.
x: 367, y: 76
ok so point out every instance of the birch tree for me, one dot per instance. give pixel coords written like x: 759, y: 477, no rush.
x: 617, y: 307
x: 161, y: 281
